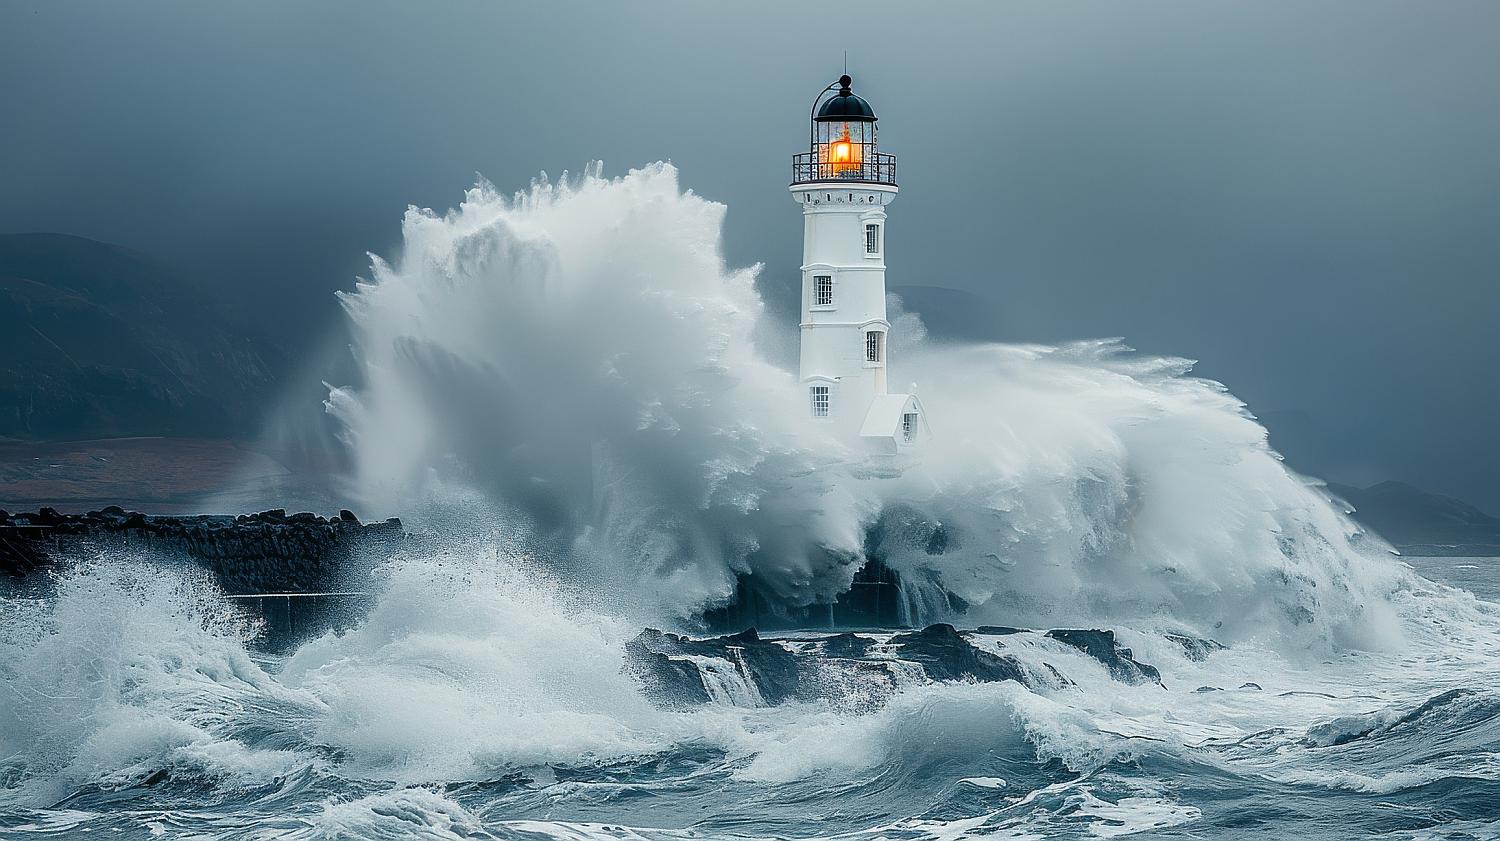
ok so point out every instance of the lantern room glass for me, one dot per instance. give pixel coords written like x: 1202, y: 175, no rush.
x: 842, y: 149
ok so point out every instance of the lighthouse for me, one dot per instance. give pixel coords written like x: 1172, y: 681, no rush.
x: 844, y: 183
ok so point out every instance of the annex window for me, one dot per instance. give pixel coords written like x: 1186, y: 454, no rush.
x: 874, y: 346
x: 821, y: 401
x: 872, y: 239
x: 909, y: 427
x: 822, y: 290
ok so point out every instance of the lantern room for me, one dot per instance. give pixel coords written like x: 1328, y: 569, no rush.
x: 842, y: 141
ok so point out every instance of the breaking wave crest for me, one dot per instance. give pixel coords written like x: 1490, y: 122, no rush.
x: 129, y: 671
x: 579, y: 357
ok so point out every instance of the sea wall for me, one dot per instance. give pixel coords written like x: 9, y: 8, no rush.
x: 250, y: 554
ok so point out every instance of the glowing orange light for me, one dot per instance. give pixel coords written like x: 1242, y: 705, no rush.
x: 844, y: 154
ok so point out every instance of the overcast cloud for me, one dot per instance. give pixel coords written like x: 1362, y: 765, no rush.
x: 1303, y: 196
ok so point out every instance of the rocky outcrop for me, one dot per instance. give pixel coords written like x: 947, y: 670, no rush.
x: 667, y: 680
x: 1195, y: 648
x: 1101, y: 646
x: 998, y: 630
x: 946, y: 655
x: 847, y: 645
x: 851, y: 668
x: 671, y: 672
x: 268, y: 552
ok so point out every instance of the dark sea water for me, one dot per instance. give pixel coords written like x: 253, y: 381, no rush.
x: 496, y: 709
x: 1480, y: 576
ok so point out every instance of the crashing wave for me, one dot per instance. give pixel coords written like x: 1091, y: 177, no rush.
x: 579, y: 358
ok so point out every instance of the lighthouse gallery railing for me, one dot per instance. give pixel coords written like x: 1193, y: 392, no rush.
x: 878, y: 168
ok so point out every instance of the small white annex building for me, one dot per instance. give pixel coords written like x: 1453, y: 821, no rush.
x: 844, y: 184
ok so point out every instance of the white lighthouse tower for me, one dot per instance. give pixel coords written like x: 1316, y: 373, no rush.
x: 844, y: 183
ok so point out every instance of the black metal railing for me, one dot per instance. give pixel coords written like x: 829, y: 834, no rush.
x: 878, y: 168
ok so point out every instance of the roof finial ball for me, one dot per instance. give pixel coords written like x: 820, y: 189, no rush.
x: 844, y: 83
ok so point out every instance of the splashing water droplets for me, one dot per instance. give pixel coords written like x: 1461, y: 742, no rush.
x: 580, y: 356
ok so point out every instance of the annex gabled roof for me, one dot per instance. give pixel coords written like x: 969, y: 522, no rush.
x: 883, y: 420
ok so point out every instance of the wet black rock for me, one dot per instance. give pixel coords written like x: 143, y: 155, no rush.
x: 659, y: 660
x: 1101, y: 646
x: 1060, y: 678
x: 999, y: 630
x: 944, y: 654
x: 667, y: 681
x: 1196, y: 649
x: 1250, y: 686
x: 847, y: 645
x: 849, y: 669
x: 673, y: 671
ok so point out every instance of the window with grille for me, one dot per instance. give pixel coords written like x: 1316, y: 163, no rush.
x: 873, y: 341
x: 822, y: 290
x: 909, y: 426
x: 820, y: 401
x: 872, y: 239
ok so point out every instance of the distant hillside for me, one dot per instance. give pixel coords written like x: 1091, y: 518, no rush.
x: 97, y: 340
x: 1422, y: 523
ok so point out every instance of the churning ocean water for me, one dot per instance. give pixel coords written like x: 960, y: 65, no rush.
x: 483, y: 702
x: 566, y: 392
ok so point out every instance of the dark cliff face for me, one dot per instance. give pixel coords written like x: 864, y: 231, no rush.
x: 98, y: 341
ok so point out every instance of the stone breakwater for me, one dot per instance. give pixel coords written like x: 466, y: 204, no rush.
x: 250, y: 554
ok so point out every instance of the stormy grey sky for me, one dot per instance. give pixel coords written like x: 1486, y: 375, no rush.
x: 1303, y: 196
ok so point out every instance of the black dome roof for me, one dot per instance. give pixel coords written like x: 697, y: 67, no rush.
x: 845, y: 107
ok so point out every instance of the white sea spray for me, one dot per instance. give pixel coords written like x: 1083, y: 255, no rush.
x: 580, y: 356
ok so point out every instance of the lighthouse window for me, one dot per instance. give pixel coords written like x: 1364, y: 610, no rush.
x: 820, y: 401
x: 872, y: 239
x: 873, y: 341
x: 909, y: 427
x: 822, y: 290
